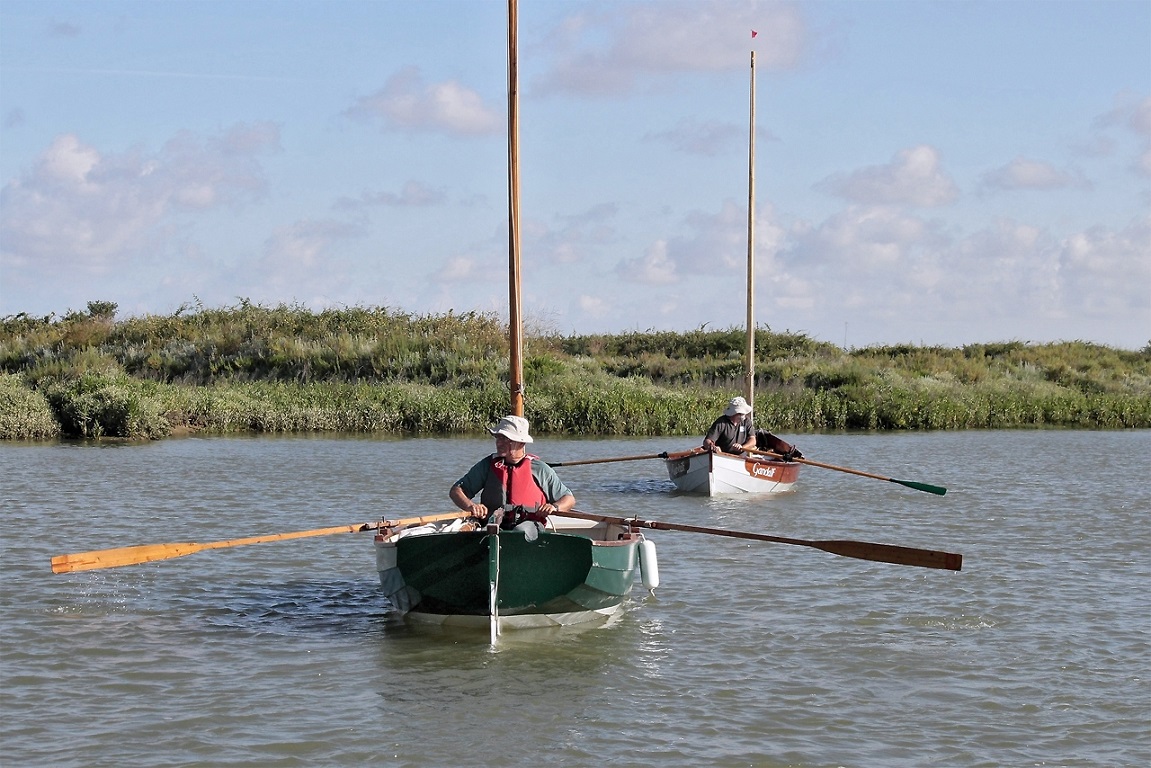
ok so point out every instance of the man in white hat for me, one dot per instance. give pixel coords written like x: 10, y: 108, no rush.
x: 512, y: 477
x: 734, y: 431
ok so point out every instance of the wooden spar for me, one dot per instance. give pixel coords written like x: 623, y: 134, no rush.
x: 749, y: 385
x: 515, y: 340
x: 515, y: 358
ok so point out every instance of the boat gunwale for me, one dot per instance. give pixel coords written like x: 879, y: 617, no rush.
x: 625, y: 538
x: 681, y: 455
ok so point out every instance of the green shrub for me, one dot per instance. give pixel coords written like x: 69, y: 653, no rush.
x: 24, y: 413
x: 95, y: 405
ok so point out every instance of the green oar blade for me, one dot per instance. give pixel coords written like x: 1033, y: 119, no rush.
x: 937, y: 490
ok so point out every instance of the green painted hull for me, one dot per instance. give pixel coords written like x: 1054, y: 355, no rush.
x: 447, y: 574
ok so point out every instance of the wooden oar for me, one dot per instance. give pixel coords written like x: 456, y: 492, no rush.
x: 861, y: 550
x: 936, y: 489
x: 112, y: 558
x: 605, y: 461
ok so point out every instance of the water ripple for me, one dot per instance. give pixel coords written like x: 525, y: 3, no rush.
x: 748, y: 654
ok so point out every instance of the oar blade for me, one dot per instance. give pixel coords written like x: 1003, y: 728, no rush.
x: 113, y: 558
x: 890, y: 553
x: 926, y: 488
x: 861, y: 550
x: 144, y: 553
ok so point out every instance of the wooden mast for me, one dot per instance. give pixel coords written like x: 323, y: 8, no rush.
x: 749, y: 383
x: 515, y: 340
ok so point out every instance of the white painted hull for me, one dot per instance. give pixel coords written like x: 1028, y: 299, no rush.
x: 717, y: 474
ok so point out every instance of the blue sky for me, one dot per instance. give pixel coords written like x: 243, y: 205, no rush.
x: 927, y: 172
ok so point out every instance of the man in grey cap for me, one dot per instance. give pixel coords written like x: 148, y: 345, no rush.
x: 734, y: 431
x: 512, y: 477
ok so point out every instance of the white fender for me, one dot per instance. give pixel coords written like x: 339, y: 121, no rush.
x: 648, y: 565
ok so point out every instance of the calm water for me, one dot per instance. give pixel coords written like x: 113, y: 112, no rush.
x: 749, y: 654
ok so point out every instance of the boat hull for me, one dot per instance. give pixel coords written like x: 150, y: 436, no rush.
x: 560, y: 578
x: 715, y: 474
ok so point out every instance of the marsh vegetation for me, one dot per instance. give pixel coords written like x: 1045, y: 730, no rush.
x: 250, y: 368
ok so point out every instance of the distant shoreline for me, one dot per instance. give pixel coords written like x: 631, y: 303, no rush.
x: 252, y: 369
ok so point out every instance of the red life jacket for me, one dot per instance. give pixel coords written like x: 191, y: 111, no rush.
x: 513, y: 485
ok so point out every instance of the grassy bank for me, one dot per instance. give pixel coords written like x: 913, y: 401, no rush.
x: 248, y: 368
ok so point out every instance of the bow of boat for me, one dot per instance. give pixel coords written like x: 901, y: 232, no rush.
x: 572, y: 572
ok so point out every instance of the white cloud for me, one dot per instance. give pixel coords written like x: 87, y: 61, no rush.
x: 696, y: 137
x: 301, y: 261
x: 411, y: 195
x: 1143, y: 163
x: 575, y: 238
x: 302, y: 246
x: 247, y: 138
x: 406, y: 103
x: 66, y: 161
x: 1128, y: 115
x: 913, y: 177
x: 1108, y: 273
x: 899, y: 277
x: 593, y: 306
x: 1022, y: 173
x: 654, y: 267
x: 995, y: 272
x: 861, y: 239
x: 1140, y: 119
x: 714, y: 249
x: 459, y: 269
x: 607, y: 52
x: 717, y: 244
x: 77, y: 207
x: 1020, y: 274
x: 1140, y: 123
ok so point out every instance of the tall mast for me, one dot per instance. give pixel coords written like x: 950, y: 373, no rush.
x: 515, y: 340
x: 749, y: 383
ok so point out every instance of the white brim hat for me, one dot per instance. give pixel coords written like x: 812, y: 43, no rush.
x: 737, y: 405
x: 514, y: 428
